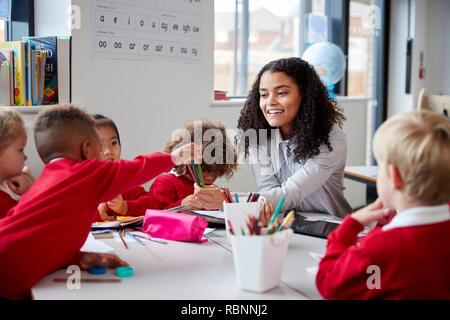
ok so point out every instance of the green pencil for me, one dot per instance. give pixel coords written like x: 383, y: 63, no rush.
x: 277, y: 210
x: 195, y: 172
x: 200, y: 175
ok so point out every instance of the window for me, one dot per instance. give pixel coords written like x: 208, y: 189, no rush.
x: 256, y: 33
x: 2, y: 30
x: 250, y: 33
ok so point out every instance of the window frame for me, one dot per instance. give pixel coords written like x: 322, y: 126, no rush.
x: 22, y: 11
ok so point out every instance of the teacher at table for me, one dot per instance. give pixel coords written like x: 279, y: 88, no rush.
x: 291, y: 131
x: 302, y: 158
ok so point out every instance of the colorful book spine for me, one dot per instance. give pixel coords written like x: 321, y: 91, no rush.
x: 49, y: 45
x: 7, y: 57
x: 18, y: 49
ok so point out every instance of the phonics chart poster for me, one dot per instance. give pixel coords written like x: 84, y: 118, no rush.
x: 147, y: 29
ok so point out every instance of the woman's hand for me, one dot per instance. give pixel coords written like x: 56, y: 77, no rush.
x: 91, y: 259
x: 373, y: 213
x: 186, y: 153
x: 118, y: 205
x: 192, y: 203
x: 210, y: 196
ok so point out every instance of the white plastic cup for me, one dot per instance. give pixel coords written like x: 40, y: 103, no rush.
x: 236, y: 212
x: 259, y: 260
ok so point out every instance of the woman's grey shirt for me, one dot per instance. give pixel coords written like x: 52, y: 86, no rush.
x: 314, y: 186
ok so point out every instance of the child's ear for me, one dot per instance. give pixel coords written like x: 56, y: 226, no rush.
x: 395, y: 176
x: 88, y: 151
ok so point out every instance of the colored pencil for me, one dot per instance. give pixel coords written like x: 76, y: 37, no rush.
x: 88, y: 280
x: 227, y: 191
x: 286, y: 220
x: 225, y: 197
x: 236, y: 197
x: 133, y: 237
x: 277, y: 211
x: 230, y: 227
x: 191, y: 172
x: 196, y: 174
x: 123, y: 241
x: 200, y: 174
x: 250, y: 196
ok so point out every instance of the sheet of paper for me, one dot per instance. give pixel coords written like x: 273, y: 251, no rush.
x: 320, y: 217
x: 214, y: 214
x: 93, y: 245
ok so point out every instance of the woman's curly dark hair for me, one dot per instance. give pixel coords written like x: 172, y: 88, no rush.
x: 317, y: 115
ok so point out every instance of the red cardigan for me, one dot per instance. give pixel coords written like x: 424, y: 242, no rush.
x: 52, y: 220
x: 6, y: 203
x: 413, y: 262
x: 169, y: 190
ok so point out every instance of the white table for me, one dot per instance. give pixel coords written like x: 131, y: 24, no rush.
x: 192, y: 271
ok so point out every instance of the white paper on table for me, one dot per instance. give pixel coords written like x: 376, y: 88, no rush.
x: 310, y: 216
x: 214, y: 214
x: 94, y: 245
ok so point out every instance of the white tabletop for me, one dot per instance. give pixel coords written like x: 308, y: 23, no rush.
x: 193, y: 271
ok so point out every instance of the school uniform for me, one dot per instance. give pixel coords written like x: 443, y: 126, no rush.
x: 408, y: 258
x: 170, y: 189
x: 51, y: 221
x: 7, y: 201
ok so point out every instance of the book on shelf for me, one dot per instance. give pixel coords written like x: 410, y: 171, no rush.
x: 18, y: 50
x: 6, y: 78
x: 57, y: 74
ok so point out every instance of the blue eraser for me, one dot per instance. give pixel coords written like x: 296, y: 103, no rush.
x: 124, y: 272
x: 97, y: 270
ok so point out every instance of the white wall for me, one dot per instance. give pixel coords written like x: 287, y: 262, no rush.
x: 430, y: 30
x: 52, y: 17
x: 147, y: 109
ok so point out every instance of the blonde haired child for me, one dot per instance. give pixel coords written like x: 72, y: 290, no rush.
x: 408, y: 257
x: 15, y: 179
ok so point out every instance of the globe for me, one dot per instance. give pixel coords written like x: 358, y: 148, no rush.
x: 328, y: 60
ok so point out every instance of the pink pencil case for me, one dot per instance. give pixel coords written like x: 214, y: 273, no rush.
x: 174, y: 226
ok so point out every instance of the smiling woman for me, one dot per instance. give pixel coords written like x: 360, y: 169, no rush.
x: 303, y: 157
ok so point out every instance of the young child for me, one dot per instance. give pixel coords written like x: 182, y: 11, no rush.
x: 15, y: 179
x: 133, y: 202
x: 177, y: 187
x: 409, y: 257
x: 51, y: 221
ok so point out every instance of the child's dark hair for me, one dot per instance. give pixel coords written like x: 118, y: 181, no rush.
x: 227, y: 168
x: 102, y: 121
x: 59, y: 128
x: 317, y: 115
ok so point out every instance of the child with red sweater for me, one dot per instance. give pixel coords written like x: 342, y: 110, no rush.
x: 15, y: 179
x: 409, y: 256
x: 51, y: 221
x: 134, y: 202
x: 219, y: 159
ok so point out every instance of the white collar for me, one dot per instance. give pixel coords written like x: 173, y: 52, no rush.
x: 419, y: 216
x: 56, y: 159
